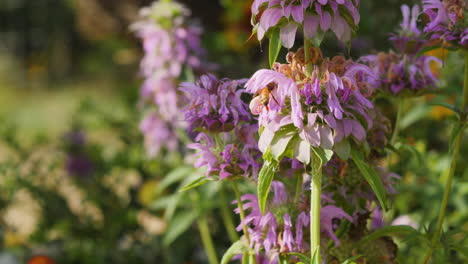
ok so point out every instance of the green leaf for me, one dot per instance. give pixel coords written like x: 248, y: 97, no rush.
x: 318, y: 38
x: 175, y: 176
x: 300, y: 256
x: 325, y: 155
x: 163, y: 202
x: 179, y: 224
x: 280, y: 142
x: 172, y: 206
x: 388, y: 231
x: 343, y: 149
x: 235, y: 249
x: 283, y: 259
x: 351, y: 260
x: 265, y: 177
x: 448, y: 106
x: 197, y: 182
x: 371, y: 176
x: 275, y: 46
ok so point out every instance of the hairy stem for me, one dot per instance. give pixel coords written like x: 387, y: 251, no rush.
x: 448, y: 182
x: 307, y: 46
x: 240, y: 205
x: 226, y: 215
x: 315, y: 192
x: 206, y: 240
x: 299, y: 183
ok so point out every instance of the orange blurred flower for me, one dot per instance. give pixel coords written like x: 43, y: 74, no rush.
x: 41, y: 260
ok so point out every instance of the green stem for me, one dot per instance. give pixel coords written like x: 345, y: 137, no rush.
x: 396, y: 129
x: 240, y: 205
x: 307, y: 45
x: 449, y: 179
x: 315, y: 192
x: 299, y: 183
x: 206, y: 240
x: 226, y: 215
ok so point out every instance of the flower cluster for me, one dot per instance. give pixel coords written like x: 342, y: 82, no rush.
x: 284, y: 226
x: 325, y: 107
x: 409, y: 39
x: 404, y: 72
x: 402, y: 75
x: 171, y: 43
x: 225, y: 139
x: 340, y: 16
x: 446, y: 20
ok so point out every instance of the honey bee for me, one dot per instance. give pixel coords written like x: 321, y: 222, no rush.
x: 262, y: 98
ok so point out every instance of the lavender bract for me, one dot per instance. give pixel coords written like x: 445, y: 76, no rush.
x: 340, y: 16
x: 409, y: 39
x: 225, y: 141
x: 447, y: 21
x: 403, y: 75
x: 325, y: 108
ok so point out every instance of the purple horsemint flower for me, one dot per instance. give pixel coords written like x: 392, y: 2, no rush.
x: 325, y: 107
x: 340, y: 16
x: 409, y: 40
x: 284, y: 226
x: 171, y: 43
x: 225, y: 143
x: 157, y: 134
x: 214, y: 105
x: 446, y: 21
x: 402, y: 75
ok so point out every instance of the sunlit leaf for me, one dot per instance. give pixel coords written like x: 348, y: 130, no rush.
x: 371, y: 176
x: 265, y: 177
x: 398, y: 230
x: 275, y: 46
x: 236, y: 248
x: 195, y: 183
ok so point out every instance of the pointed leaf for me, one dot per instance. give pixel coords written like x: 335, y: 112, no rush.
x: 343, y: 149
x: 300, y: 256
x: 275, y: 46
x: 197, y: 182
x: 235, y: 249
x: 351, y: 260
x: 174, y: 176
x: 265, y: 177
x: 388, y: 231
x: 179, y: 224
x: 371, y: 176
